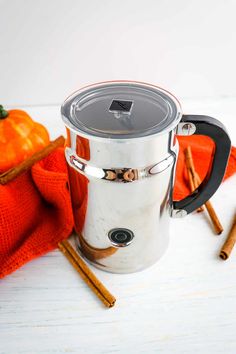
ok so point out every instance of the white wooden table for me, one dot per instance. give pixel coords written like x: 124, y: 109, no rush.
x: 186, y: 303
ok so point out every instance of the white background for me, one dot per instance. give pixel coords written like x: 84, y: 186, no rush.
x: 186, y: 303
x: 48, y: 49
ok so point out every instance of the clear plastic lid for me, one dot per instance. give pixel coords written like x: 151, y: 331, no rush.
x: 121, y: 109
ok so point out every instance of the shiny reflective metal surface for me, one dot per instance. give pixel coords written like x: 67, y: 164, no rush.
x: 186, y: 129
x: 141, y: 204
x: 116, y: 174
x: 121, y: 184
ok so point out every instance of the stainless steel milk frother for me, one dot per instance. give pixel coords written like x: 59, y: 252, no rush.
x: 121, y: 154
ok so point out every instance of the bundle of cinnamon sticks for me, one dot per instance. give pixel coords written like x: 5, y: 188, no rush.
x: 194, y: 182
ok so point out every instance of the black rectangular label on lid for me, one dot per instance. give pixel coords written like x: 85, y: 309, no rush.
x: 121, y: 106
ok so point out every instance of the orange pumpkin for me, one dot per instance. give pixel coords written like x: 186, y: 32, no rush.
x: 20, y: 137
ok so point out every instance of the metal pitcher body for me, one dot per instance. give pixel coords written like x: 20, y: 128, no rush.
x: 121, y: 154
x: 121, y: 205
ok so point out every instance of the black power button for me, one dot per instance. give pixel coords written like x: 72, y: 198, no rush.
x: 120, y: 237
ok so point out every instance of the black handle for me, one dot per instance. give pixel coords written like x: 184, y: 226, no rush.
x: 214, y: 129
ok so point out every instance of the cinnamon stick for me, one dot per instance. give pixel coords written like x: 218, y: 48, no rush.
x: 86, y: 274
x: 211, y: 212
x: 28, y: 163
x: 196, y: 181
x: 193, y: 183
x: 229, y: 243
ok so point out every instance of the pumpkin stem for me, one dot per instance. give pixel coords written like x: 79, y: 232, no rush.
x: 3, y: 112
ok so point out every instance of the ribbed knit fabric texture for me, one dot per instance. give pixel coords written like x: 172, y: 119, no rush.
x: 35, y: 213
x: 35, y: 208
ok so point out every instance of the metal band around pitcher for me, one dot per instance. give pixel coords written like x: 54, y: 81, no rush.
x: 124, y: 175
